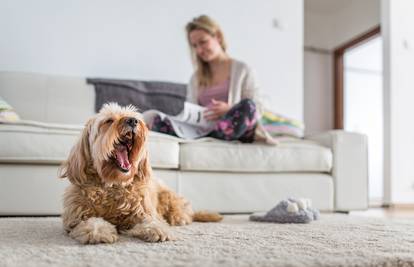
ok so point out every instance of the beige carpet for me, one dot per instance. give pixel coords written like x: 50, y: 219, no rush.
x: 335, y: 240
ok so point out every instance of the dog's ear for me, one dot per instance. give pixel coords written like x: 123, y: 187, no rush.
x: 144, y: 168
x: 75, y: 167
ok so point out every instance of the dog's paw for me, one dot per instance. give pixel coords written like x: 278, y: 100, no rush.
x: 94, y: 231
x: 181, y: 214
x: 179, y: 219
x: 151, y: 232
x: 155, y: 234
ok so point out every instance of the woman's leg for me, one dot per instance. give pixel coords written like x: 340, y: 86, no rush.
x: 239, y: 123
x: 162, y: 126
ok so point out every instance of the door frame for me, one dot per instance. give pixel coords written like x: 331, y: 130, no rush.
x: 339, y: 72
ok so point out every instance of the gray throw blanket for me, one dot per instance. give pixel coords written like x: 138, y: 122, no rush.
x: 166, y: 97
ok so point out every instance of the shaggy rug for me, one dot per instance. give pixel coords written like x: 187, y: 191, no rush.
x: 334, y: 240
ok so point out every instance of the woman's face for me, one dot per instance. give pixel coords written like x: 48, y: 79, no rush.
x: 206, y: 46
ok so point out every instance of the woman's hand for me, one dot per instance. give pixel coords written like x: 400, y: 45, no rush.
x: 216, y: 109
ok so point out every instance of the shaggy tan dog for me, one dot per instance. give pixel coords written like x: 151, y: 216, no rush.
x: 112, y: 189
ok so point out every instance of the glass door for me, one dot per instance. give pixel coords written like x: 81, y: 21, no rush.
x: 363, y: 106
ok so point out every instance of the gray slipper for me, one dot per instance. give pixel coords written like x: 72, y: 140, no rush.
x: 289, y: 211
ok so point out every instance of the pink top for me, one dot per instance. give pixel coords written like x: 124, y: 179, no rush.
x: 218, y: 92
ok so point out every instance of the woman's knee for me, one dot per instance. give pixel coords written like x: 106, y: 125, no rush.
x: 248, y: 104
x: 247, y: 101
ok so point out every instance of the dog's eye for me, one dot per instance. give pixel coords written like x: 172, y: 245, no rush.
x: 109, y: 121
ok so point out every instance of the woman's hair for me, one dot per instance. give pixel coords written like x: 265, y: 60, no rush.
x: 208, y: 25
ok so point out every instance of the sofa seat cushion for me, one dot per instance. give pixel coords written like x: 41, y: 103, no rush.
x: 35, y: 142
x: 291, y: 155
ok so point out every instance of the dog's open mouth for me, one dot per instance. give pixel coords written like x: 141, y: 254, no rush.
x: 122, y: 151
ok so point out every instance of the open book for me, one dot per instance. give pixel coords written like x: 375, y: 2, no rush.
x: 188, y: 124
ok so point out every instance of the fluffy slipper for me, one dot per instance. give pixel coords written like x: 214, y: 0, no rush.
x: 289, y: 211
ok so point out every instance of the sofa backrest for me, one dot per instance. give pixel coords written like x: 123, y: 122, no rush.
x: 48, y: 98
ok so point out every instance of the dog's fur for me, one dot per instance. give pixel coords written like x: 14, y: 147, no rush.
x: 112, y: 189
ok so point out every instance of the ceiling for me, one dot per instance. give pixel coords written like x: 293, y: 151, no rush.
x: 326, y: 6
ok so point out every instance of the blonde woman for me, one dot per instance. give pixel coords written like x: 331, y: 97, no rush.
x: 223, y: 84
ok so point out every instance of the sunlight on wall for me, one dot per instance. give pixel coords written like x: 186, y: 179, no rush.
x: 363, y: 102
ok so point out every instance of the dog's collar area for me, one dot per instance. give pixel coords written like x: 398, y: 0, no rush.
x: 115, y: 184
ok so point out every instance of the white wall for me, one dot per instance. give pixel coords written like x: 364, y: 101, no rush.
x: 318, y: 94
x: 327, y: 31
x: 146, y: 40
x: 398, y: 35
x: 330, y: 30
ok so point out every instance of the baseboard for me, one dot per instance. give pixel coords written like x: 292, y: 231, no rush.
x: 401, y: 206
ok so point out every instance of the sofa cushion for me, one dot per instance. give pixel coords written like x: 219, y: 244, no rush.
x: 48, y: 98
x: 291, y: 155
x: 34, y: 142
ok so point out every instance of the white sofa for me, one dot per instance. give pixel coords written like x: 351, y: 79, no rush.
x: 330, y: 168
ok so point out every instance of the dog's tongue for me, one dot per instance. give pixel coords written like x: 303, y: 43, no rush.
x: 122, y: 157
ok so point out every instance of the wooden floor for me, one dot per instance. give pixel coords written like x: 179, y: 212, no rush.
x: 394, y: 212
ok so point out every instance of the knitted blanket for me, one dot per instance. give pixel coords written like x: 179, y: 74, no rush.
x: 166, y: 97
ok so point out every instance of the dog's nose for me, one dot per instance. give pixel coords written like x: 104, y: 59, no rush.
x: 131, y: 121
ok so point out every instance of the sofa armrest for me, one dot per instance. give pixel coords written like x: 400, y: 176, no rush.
x: 349, y: 169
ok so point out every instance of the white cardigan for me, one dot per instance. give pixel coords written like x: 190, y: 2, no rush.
x: 242, y: 85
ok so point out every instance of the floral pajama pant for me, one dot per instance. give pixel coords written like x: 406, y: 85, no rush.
x: 239, y: 123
